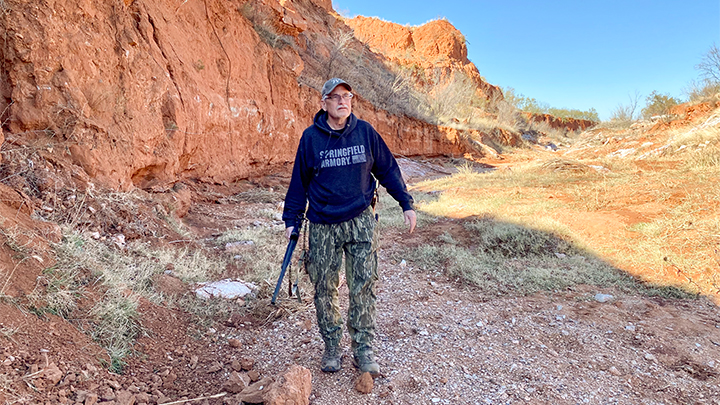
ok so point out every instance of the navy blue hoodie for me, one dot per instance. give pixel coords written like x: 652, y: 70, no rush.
x: 334, y: 172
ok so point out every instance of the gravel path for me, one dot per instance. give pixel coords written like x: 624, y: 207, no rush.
x: 441, y: 343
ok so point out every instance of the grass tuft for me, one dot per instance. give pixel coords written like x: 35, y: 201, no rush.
x: 122, y: 276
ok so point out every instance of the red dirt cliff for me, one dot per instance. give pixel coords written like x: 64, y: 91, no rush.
x: 145, y: 93
x: 434, y: 45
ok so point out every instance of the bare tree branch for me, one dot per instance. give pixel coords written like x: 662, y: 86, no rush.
x: 709, y: 66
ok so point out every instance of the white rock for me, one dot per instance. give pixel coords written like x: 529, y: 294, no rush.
x: 227, y: 288
x: 603, y: 297
x: 119, y: 240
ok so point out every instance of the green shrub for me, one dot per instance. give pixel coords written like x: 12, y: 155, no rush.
x: 658, y: 105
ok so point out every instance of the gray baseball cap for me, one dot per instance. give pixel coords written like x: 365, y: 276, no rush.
x: 331, y: 84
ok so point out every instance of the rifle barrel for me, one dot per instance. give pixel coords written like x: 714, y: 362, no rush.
x: 286, y: 262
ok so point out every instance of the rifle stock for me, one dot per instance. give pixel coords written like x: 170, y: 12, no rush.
x: 286, y: 260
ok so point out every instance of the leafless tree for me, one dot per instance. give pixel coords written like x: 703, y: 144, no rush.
x: 709, y: 66
x: 626, y: 113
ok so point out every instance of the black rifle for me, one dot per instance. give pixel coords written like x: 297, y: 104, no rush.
x: 294, y: 236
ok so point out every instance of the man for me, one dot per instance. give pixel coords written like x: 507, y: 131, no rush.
x: 337, y: 162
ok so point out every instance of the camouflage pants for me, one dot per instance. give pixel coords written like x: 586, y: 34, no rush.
x: 358, y: 240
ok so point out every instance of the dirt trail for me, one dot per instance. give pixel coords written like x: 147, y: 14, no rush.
x: 440, y: 341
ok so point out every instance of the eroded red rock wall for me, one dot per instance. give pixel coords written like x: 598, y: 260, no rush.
x: 435, y: 45
x: 143, y: 93
x: 567, y: 124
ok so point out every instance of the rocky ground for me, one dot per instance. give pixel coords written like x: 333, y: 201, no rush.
x: 439, y: 341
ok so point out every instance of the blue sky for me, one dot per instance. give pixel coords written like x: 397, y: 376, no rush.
x: 572, y: 54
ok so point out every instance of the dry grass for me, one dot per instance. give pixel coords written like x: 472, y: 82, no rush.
x: 523, y: 201
x: 509, y: 258
x: 122, y: 276
x: 565, y: 166
x: 257, y: 195
x: 17, y: 240
x: 263, y: 254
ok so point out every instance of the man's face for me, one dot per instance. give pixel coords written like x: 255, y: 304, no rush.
x: 338, y: 103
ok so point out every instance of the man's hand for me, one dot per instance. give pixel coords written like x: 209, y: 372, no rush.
x: 410, y: 219
x: 288, y: 232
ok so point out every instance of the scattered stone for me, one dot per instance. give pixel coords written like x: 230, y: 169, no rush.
x: 630, y: 328
x: 53, y: 374
x: 80, y: 396
x: 614, y: 371
x: 247, y: 363
x: 293, y: 387
x: 69, y: 379
x: 255, y: 392
x: 107, y: 394
x: 364, y: 383
x: 169, y: 381
x: 119, y: 240
x: 124, y: 397
x: 238, y: 247
x: 603, y: 297
x: 227, y: 288
x: 142, y: 398
x: 235, y: 383
x: 236, y: 365
x: 650, y: 357
x: 214, y: 367
x: 193, y: 362
x: 253, y: 375
x: 91, y: 398
x: 235, y: 343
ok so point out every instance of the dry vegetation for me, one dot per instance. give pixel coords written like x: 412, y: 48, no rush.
x: 674, y: 233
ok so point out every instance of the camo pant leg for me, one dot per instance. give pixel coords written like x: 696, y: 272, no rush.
x: 357, y: 238
x: 361, y: 274
x: 325, y: 252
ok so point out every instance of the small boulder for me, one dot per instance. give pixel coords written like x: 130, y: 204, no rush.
x: 236, y: 383
x: 293, y: 387
x: 254, y: 393
x: 52, y: 374
x: 247, y: 363
x: 603, y: 297
x: 364, y: 383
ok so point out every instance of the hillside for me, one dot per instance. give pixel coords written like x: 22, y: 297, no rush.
x: 146, y: 148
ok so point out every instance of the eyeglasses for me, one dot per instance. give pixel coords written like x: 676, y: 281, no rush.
x: 336, y: 97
